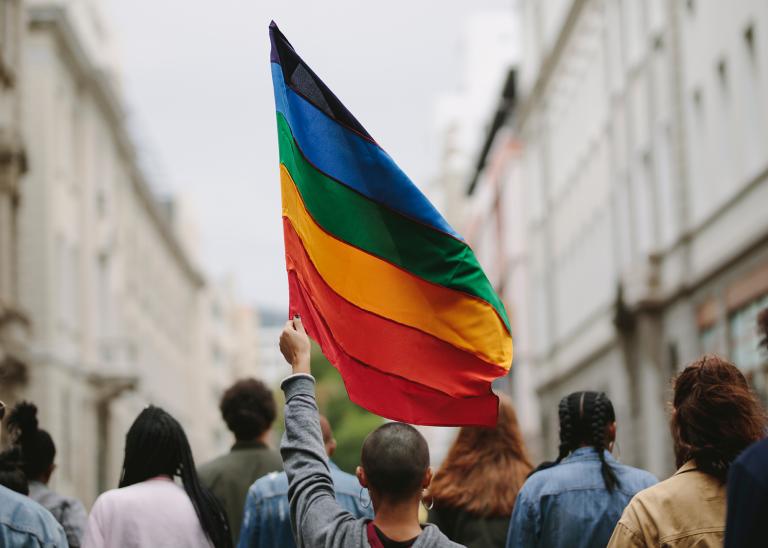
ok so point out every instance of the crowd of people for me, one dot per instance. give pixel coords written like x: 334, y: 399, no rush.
x: 486, y: 493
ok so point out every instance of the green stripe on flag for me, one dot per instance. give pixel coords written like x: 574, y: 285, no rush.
x: 376, y: 229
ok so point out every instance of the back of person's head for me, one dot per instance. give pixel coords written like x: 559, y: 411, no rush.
x: 586, y: 419
x: 156, y: 445
x: 395, y: 461
x: 37, y: 448
x: 485, y: 467
x: 328, y: 440
x: 248, y: 408
x: 12, y: 471
x: 715, y: 415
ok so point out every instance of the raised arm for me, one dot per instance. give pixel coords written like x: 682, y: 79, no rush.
x: 316, y: 517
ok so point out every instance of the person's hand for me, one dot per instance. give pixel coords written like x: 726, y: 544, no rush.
x: 294, y: 344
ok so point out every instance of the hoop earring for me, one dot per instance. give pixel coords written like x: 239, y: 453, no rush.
x: 431, y: 503
x: 363, y: 504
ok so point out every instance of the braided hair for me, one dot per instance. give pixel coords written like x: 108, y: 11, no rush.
x: 584, y: 419
x: 156, y: 445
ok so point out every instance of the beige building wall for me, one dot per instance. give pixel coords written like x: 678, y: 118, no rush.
x: 13, y: 321
x: 113, y: 299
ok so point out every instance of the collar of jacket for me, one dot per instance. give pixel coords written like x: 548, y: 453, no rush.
x: 587, y: 453
x: 688, y: 466
x: 248, y: 445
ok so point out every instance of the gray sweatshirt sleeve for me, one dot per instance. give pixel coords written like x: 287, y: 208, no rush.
x: 316, y: 517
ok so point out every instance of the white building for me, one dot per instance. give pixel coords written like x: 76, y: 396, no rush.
x: 112, y: 298
x: 643, y: 188
x: 230, y: 351
x: 13, y: 322
x: 488, y: 47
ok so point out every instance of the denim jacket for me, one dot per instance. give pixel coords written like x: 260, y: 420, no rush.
x: 26, y: 524
x: 568, y: 505
x: 266, y: 517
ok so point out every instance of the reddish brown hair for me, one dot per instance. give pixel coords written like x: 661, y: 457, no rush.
x: 485, y: 468
x: 715, y: 415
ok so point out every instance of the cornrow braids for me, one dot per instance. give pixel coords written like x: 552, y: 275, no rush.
x: 566, y: 429
x: 567, y: 433
x: 584, y: 419
x: 600, y: 421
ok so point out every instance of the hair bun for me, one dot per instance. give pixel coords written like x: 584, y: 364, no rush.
x: 23, y: 419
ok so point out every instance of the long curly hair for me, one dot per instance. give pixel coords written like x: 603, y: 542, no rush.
x: 485, y: 468
x: 715, y: 415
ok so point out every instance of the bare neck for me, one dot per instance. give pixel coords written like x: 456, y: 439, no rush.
x: 398, y: 521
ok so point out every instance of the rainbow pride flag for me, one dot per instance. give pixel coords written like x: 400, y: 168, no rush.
x: 392, y: 294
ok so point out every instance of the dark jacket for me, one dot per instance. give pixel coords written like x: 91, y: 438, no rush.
x: 229, y: 477
x: 746, y: 524
x: 470, y: 529
x: 317, y: 517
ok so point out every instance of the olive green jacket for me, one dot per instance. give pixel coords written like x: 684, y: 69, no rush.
x: 229, y: 477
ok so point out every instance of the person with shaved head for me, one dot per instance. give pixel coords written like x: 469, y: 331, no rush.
x: 266, y: 521
x: 394, y: 467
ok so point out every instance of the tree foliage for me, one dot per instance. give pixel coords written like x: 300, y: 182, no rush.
x: 350, y: 423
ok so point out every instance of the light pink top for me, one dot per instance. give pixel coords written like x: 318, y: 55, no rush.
x: 155, y: 513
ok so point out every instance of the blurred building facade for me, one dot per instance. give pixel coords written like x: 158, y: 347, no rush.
x: 14, y: 323
x: 119, y: 313
x: 230, y: 349
x: 632, y: 172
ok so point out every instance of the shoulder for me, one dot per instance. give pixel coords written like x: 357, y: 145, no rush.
x: 212, y: 467
x: 271, y: 485
x: 433, y: 536
x: 271, y: 458
x: 752, y: 461
x: 24, y: 515
x: 651, y: 503
x: 344, y: 482
x: 554, y: 479
x: 154, y: 491
x: 639, y: 479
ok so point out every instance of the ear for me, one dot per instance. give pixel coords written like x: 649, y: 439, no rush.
x: 427, y: 478
x: 612, y: 432
x: 361, y: 477
x: 331, y: 447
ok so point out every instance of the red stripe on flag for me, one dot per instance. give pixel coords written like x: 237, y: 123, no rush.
x: 386, y: 345
x: 387, y: 395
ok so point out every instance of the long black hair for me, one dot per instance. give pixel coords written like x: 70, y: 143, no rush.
x: 584, y: 419
x: 37, y: 448
x: 156, y: 445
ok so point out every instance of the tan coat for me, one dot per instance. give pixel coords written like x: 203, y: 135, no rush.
x: 687, y: 510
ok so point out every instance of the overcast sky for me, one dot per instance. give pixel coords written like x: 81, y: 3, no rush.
x: 197, y: 80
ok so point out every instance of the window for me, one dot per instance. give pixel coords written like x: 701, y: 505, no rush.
x: 710, y: 341
x: 745, y: 337
x: 745, y: 350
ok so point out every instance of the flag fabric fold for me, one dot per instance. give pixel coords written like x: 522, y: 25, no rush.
x: 392, y: 294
